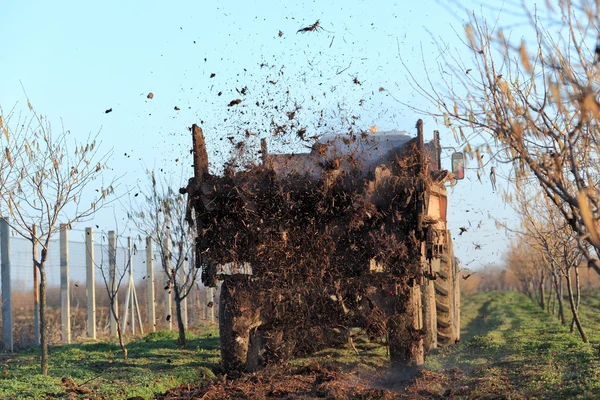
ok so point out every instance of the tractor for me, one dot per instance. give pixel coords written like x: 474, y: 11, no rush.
x: 313, y: 249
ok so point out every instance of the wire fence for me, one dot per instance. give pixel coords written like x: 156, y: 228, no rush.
x: 201, y: 303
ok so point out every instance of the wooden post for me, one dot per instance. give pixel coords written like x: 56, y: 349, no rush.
x: 7, y: 321
x: 264, y: 152
x: 150, y: 285
x: 112, y: 265
x: 192, y: 310
x: 193, y: 292
x: 90, y: 288
x: 129, y: 299
x: 36, y: 289
x: 200, y: 154
x: 65, y: 298
x: 210, y: 304
x: 169, y: 284
x: 131, y: 305
x: 181, y: 278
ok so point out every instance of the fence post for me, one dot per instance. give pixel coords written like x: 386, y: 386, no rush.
x: 90, y: 283
x: 36, y: 288
x: 150, y: 285
x: 182, y: 281
x: 7, y: 335
x: 169, y: 285
x: 131, y: 283
x: 65, y: 300
x: 112, y: 266
x: 210, y: 304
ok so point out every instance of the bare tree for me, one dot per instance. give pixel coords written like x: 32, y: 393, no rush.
x: 50, y: 176
x: 112, y: 277
x: 161, y: 215
x: 549, y: 236
x: 536, y: 100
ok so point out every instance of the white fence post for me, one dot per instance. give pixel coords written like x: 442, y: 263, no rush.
x: 150, y: 285
x: 65, y: 300
x: 7, y: 321
x: 36, y: 289
x: 210, y: 304
x: 112, y: 266
x: 169, y: 285
x: 90, y: 283
x: 182, y: 275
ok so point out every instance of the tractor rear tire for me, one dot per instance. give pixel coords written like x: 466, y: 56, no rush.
x: 445, y: 298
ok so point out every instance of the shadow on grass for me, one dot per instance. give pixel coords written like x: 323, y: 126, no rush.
x: 487, y: 320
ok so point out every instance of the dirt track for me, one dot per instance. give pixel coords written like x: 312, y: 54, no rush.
x: 311, y: 382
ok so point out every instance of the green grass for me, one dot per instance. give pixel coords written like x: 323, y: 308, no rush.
x: 512, y: 349
x: 155, y: 364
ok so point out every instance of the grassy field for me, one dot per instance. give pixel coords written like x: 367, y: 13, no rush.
x: 155, y: 364
x: 509, y: 349
x: 512, y: 349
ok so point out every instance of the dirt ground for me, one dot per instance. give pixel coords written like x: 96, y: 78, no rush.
x: 325, y: 382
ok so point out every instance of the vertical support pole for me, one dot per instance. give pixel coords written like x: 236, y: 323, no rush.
x: 150, y: 285
x: 200, y: 154
x: 210, y: 304
x: 112, y: 265
x: 36, y: 288
x: 181, y: 271
x: 192, y: 293
x: 264, y: 152
x: 7, y: 321
x: 130, y: 263
x: 90, y: 283
x: 192, y: 310
x: 169, y: 284
x: 65, y: 299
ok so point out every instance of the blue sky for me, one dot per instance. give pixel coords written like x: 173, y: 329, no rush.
x: 78, y: 59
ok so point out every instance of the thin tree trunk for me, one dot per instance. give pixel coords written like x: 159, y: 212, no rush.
x: 561, y: 306
x: 553, y: 297
x: 114, y: 300
x: 43, y: 317
x: 558, y: 290
x: 574, y: 309
x: 577, y: 295
x: 542, y: 290
x: 180, y: 324
x: 550, y: 294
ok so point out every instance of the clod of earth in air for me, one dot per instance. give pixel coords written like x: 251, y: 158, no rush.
x: 280, y: 34
x: 150, y: 95
x: 312, y: 28
x: 108, y: 111
x: 234, y: 102
x: 177, y: 108
x: 465, y: 277
x: 213, y: 75
x: 462, y: 230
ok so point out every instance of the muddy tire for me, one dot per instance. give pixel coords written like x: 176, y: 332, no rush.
x: 445, y: 299
x: 239, y: 316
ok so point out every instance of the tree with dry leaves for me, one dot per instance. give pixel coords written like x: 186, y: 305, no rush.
x: 536, y: 100
x: 552, y: 240
x: 161, y: 215
x: 48, y: 178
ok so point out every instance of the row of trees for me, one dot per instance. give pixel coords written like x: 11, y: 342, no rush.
x: 49, y: 178
x: 545, y: 257
x: 532, y: 101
